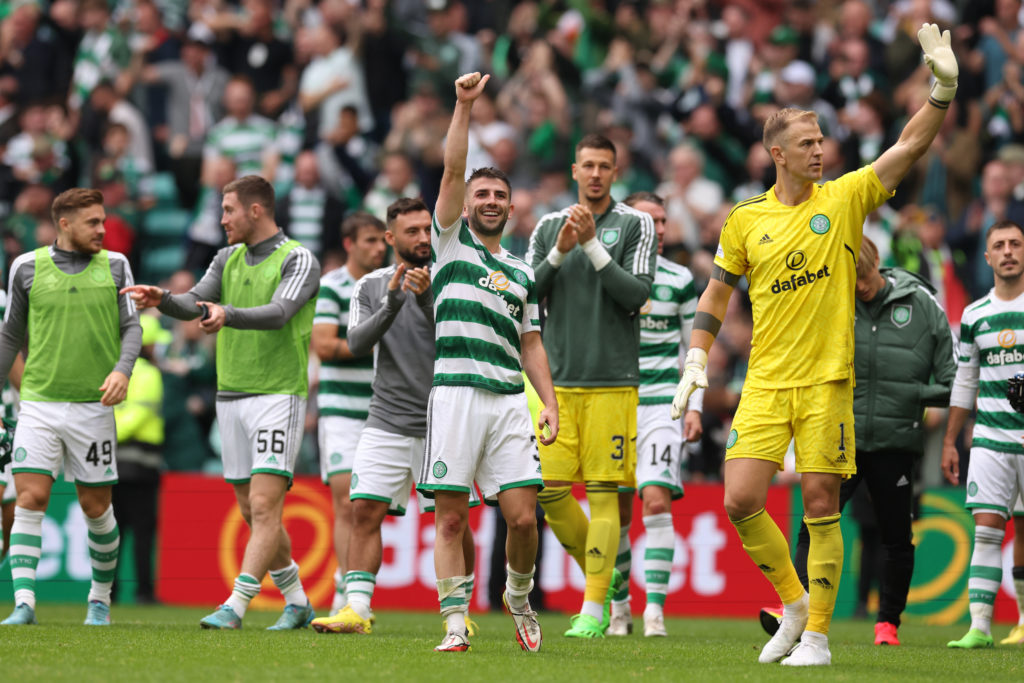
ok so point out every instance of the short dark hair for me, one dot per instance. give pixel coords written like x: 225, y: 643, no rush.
x: 252, y: 189
x: 1002, y: 225
x: 595, y: 141
x: 489, y: 172
x: 72, y: 200
x: 355, y: 222
x: 643, y: 196
x: 403, y: 206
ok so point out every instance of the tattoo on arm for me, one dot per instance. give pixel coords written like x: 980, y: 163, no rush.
x: 718, y: 273
x: 707, y: 322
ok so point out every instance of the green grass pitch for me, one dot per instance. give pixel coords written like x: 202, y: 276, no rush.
x: 166, y: 643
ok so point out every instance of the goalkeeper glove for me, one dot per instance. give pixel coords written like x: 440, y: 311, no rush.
x: 939, y: 57
x: 693, y: 378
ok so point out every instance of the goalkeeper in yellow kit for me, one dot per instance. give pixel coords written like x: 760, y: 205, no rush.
x: 797, y: 244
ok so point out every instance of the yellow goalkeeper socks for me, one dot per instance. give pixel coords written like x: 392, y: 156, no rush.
x: 824, y: 565
x: 767, y: 547
x: 563, y: 514
x: 602, y: 538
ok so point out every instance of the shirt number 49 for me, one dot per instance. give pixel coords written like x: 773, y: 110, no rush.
x: 100, y: 454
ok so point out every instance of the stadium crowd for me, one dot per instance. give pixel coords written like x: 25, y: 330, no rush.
x: 343, y: 106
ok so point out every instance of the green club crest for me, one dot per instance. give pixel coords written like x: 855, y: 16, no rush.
x: 97, y: 275
x: 972, y: 488
x: 355, y: 481
x: 733, y: 438
x: 440, y: 469
x: 20, y: 455
x: 663, y: 293
x: 610, y: 236
x: 335, y: 458
x: 520, y: 277
x: 820, y: 224
x: 901, y: 315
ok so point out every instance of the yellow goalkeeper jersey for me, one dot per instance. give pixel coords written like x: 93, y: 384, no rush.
x: 801, y: 265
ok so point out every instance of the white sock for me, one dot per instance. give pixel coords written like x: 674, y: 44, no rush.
x: 26, y: 546
x: 288, y: 582
x: 518, y: 587
x: 658, y: 555
x: 247, y: 587
x: 359, y: 591
x: 104, y: 546
x: 594, y: 609
x: 986, y: 573
x: 339, y: 600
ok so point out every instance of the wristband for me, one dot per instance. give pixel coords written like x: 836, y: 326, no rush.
x: 555, y: 257
x: 597, y: 254
x: 942, y: 94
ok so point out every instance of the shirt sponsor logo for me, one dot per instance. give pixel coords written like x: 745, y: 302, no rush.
x: 1004, y: 357
x: 648, y: 323
x: 497, y: 282
x: 795, y: 260
x: 795, y: 281
x: 1007, y: 338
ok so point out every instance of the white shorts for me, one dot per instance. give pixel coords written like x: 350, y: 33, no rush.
x: 338, y: 437
x: 260, y: 435
x: 385, y: 468
x: 659, y: 449
x: 477, y: 435
x: 9, y: 494
x: 1018, y: 508
x: 80, y: 437
x: 995, y: 481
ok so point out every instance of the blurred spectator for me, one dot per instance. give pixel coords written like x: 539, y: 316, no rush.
x: 869, y: 133
x: 417, y: 128
x: 190, y: 388
x: 1013, y: 157
x: 396, y: 180
x: 246, y: 138
x: 102, y: 54
x: 205, y: 234
x: 195, y: 87
x: 797, y: 88
x: 346, y: 159
x: 247, y: 46
x: 486, y: 131
x: 444, y: 53
x: 37, y: 154
x: 113, y: 108
x: 31, y: 209
x: 689, y: 197
x: 140, y: 441
x: 921, y: 248
x: 382, y: 52
x: 761, y: 173
x: 855, y: 21
x: 998, y: 33
x: 1004, y: 99
x: 851, y: 77
x: 553, y: 192
x: 996, y: 203
x: 307, y: 212
x: 31, y: 50
x: 781, y: 48
x: 520, y: 223
x: 333, y: 80
x: 738, y: 51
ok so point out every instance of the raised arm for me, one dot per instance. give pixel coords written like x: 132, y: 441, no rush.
x: 924, y: 125
x: 451, y: 196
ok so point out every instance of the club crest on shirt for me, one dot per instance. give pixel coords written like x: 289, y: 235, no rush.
x: 610, y: 236
x: 820, y: 224
x: 901, y: 315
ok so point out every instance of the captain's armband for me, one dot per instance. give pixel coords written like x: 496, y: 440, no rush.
x: 707, y: 322
x: 719, y: 273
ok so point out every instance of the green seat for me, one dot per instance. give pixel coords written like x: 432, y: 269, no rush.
x: 160, y: 262
x: 163, y: 189
x: 166, y: 223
